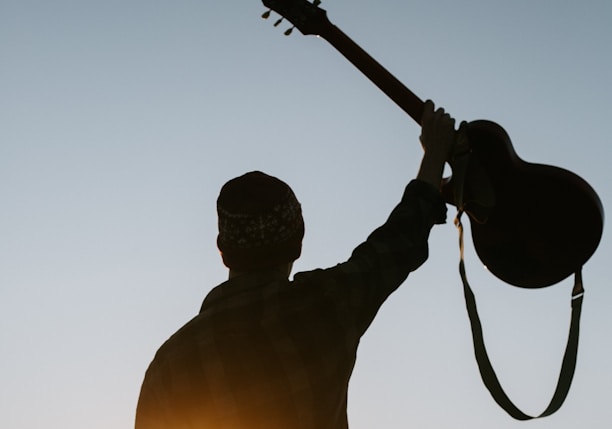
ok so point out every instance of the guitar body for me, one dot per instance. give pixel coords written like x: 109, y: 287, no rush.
x: 532, y: 225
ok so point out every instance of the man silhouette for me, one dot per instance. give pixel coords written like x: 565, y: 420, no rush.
x: 269, y: 352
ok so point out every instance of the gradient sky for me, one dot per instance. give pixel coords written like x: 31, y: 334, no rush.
x: 120, y: 120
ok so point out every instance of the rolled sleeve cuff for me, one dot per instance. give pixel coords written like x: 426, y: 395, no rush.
x: 432, y: 204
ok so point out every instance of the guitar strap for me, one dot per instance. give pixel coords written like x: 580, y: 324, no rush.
x: 484, y: 364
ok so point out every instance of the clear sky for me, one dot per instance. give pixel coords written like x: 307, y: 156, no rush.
x: 120, y: 120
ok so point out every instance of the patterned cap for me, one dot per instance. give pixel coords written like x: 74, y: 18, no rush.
x: 260, y: 222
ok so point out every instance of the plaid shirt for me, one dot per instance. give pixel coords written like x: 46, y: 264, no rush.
x: 266, y: 352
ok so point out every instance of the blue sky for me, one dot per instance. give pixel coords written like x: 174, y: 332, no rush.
x: 119, y: 122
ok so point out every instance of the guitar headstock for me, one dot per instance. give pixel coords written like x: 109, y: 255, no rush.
x: 307, y: 17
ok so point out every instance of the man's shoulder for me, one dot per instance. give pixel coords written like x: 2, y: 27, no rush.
x: 181, y: 339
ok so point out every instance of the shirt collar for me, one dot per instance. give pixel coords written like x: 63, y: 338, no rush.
x: 241, y: 284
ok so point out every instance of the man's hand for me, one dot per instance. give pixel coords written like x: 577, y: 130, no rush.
x: 437, y: 139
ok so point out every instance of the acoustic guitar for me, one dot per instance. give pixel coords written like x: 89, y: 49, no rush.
x: 532, y: 225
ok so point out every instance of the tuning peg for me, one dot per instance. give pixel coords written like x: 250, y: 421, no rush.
x: 316, y: 2
x: 266, y: 14
x: 288, y: 31
x: 278, y: 22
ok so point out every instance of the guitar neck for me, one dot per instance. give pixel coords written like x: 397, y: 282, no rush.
x: 381, y: 77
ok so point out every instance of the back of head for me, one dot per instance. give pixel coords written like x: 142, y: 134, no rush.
x: 260, y: 223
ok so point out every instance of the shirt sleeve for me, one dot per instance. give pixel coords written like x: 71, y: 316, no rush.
x: 379, y: 265
x: 150, y: 414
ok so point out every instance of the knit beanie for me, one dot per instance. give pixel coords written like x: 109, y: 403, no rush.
x: 260, y: 223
